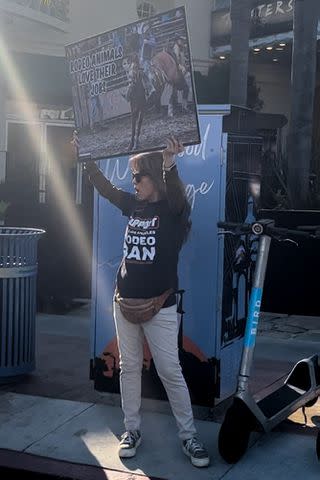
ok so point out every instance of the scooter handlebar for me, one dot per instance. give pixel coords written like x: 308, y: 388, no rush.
x: 237, y: 228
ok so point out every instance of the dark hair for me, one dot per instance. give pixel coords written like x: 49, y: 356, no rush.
x: 151, y: 163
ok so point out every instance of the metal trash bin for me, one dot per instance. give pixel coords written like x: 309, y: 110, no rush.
x: 18, y: 277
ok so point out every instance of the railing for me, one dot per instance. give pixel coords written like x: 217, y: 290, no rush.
x: 55, y: 9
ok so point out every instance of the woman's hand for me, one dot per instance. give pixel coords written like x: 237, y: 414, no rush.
x: 89, y: 167
x: 173, y: 148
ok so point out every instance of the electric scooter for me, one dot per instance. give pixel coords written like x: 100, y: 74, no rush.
x: 302, y: 386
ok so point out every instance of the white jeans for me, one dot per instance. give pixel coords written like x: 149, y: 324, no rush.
x: 161, y: 333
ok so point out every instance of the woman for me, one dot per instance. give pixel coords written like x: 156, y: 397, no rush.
x: 158, y: 225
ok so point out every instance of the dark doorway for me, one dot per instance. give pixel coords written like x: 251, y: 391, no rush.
x: 22, y: 169
x: 35, y: 201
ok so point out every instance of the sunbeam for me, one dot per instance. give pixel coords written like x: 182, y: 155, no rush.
x: 63, y: 196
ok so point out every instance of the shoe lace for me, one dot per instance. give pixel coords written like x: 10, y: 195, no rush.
x: 194, y: 446
x: 129, y: 436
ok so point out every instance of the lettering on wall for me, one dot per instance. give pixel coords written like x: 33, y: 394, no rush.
x: 117, y: 171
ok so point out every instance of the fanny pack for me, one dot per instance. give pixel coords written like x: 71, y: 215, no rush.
x: 141, y: 310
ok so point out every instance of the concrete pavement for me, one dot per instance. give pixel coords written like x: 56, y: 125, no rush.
x: 55, y: 413
x: 88, y: 433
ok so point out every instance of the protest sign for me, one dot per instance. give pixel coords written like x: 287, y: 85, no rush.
x: 133, y: 87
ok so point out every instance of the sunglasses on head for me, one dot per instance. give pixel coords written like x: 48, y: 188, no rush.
x: 138, y: 176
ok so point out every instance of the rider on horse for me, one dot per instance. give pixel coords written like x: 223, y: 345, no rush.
x: 179, y: 53
x: 148, y: 44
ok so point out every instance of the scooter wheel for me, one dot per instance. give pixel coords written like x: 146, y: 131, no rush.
x: 234, y: 436
x: 318, y: 446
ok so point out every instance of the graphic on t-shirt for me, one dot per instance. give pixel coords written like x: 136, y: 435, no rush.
x: 140, y: 239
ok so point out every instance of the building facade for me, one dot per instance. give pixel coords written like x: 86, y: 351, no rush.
x: 36, y: 114
x: 270, y: 48
x: 40, y: 180
x: 34, y: 35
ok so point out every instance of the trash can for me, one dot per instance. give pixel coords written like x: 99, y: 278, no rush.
x: 18, y: 274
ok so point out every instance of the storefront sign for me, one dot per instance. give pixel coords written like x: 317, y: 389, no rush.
x: 267, y: 18
x: 56, y: 114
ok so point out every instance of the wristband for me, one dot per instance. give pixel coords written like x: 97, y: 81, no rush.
x: 170, y: 167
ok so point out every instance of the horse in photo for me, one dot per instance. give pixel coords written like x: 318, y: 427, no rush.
x: 166, y: 71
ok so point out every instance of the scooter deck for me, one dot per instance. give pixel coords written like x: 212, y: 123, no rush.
x: 278, y: 400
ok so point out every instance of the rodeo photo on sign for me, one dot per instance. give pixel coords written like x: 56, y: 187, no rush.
x: 133, y: 87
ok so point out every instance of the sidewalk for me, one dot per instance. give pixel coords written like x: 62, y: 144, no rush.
x: 55, y: 413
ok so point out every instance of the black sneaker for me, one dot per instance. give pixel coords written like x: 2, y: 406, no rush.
x: 129, y: 443
x: 196, y: 451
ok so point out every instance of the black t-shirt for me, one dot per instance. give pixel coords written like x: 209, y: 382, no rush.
x: 153, y: 237
x: 151, y: 248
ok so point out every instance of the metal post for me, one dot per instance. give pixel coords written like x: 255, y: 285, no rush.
x: 254, y: 311
x: 2, y: 115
